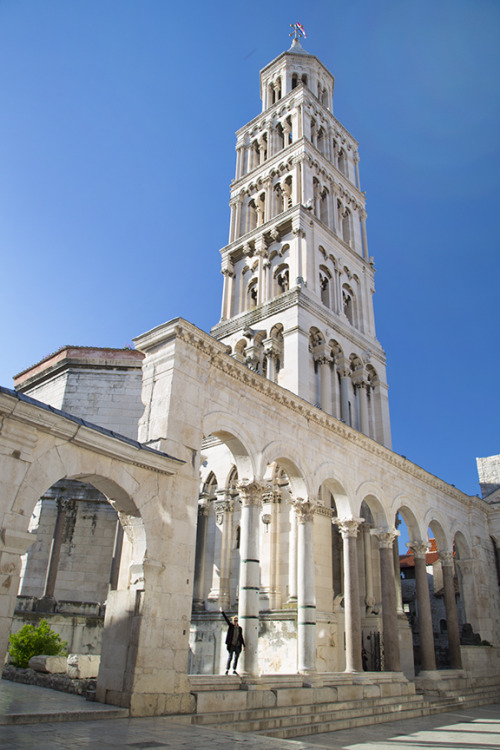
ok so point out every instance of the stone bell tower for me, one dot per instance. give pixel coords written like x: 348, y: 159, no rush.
x: 298, y: 280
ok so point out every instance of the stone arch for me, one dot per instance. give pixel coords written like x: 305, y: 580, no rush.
x: 369, y: 493
x: 329, y: 476
x: 409, y: 513
x: 288, y: 458
x: 229, y: 431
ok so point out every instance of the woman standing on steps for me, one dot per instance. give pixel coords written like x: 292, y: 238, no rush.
x: 234, y: 641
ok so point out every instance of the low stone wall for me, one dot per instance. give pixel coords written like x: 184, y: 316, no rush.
x: 60, y: 682
x: 82, y: 632
x: 481, y: 661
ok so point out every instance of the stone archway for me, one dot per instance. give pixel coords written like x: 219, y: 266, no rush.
x: 145, y: 643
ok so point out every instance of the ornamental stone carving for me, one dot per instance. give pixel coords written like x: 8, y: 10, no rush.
x: 419, y: 549
x: 348, y: 527
x: 251, y: 492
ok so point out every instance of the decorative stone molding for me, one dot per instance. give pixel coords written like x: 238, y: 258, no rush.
x: 348, y: 527
x: 385, y: 537
x: 446, y: 558
x: 304, y: 509
x: 419, y: 549
x: 251, y: 492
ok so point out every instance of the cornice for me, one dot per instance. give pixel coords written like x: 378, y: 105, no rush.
x: 204, y: 343
x: 30, y: 414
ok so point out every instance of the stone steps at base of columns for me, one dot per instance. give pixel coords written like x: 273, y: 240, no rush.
x: 478, y: 696
x: 294, y: 720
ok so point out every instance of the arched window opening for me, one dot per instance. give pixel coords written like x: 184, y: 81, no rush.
x: 342, y: 162
x: 261, y: 209
x: 320, y: 141
x: 252, y: 215
x: 346, y: 227
x: 304, y: 79
x: 252, y: 294
x: 348, y: 305
x: 295, y: 81
x: 237, y: 537
x: 287, y: 189
x: 280, y: 137
x: 324, y: 97
x: 323, y: 206
x: 324, y: 285
x: 282, y: 277
x: 288, y: 131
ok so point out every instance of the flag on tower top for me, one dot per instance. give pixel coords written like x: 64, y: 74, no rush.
x: 298, y: 30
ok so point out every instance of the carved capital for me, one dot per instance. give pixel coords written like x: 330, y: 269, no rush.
x: 385, y: 538
x: 348, y: 527
x: 419, y: 549
x: 251, y: 492
x: 304, y: 509
x: 446, y: 558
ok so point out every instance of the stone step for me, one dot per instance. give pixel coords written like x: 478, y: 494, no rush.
x: 57, y: 716
x: 309, y: 709
x: 479, y: 697
x: 337, y: 725
x: 296, y: 720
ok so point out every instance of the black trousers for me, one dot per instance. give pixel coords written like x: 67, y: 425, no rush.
x: 236, y: 655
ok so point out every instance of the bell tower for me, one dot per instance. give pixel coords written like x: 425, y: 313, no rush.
x: 298, y: 281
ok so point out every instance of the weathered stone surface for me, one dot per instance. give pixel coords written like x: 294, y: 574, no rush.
x: 51, y: 664
x: 83, y: 666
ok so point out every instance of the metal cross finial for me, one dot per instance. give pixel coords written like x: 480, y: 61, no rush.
x: 298, y: 31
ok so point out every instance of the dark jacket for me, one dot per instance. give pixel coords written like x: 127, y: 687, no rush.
x: 229, y: 637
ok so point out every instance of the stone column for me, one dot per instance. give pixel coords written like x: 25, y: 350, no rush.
x: 201, y: 553
x: 451, y: 609
x: 356, y: 165
x: 248, y: 608
x: 349, y: 528
x: 114, y: 573
x: 369, y: 597
x: 306, y: 589
x: 427, y: 655
x: 389, y: 612
x: 274, y: 562
x: 322, y: 356
x: 292, y: 556
x: 397, y: 574
x: 227, y: 293
x: 300, y: 235
x: 344, y: 372
x: 363, y: 234
x: 224, y: 508
x: 47, y: 601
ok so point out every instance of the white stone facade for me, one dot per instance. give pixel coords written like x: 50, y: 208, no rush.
x: 264, y: 482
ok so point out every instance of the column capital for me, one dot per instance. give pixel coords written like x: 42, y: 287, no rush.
x: 348, y: 527
x: 203, y: 509
x: 251, y: 491
x: 304, y: 509
x: 385, y: 537
x: 418, y: 548
x: 446, y: 558
x: 322, y: 354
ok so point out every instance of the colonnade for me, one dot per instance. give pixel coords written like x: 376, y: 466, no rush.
x: 253, y: 580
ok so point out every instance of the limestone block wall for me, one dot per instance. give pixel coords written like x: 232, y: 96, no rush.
x: 489, y: 474
x: 83, y: 634
x: 86, y: 553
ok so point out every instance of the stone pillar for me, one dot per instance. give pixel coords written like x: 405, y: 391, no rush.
x: 451, y: 609
x: 292, y: 557
x: 248, y: 608
x: 427, y: 655
x: 45, y: 605
x: 227, y: 293
x: 306, y: 590
x: 13, y: 544
x: 389, y: 612
x: 349, y: 528
x: 344, y: 373
x: 356, y: 164
x: 225, y: 508
x: 201, y: 553
x: 114, y: 573
x: 274, y: 562
x: 300, y: 235
x: 363, y: 234
x: 322, y: 356
x: 397, y: 574
x: 369, y: 597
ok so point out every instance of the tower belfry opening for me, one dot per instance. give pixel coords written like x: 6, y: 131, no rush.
x: 297, y: 255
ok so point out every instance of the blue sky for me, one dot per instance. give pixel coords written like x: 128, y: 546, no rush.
x: 117, y: 150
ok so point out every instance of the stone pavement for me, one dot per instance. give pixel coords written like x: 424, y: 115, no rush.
x: 471, y: 729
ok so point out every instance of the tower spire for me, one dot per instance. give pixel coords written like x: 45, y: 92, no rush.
x: 298, y: 281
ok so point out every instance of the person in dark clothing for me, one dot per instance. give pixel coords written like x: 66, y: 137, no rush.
x: 234, y: 642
